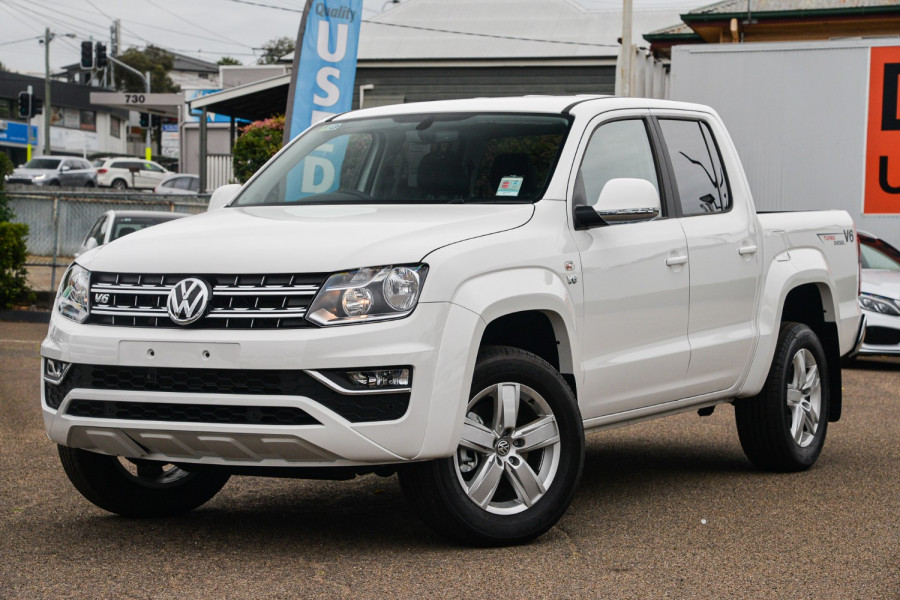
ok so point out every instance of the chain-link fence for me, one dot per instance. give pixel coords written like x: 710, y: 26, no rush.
x: 58, y: 220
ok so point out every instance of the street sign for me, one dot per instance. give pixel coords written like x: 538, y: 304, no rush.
x: 166, y: 104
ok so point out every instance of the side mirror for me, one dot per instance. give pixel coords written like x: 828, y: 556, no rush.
x: 222, y: 196
x: 625, y: 200
x: 622, y: 200
x: 90, y: 244
x: 65, y: 168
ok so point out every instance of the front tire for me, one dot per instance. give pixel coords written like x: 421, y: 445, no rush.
x: 138, y: 488
x: 519, y: 460
x: 119, y: 184
x: 783, y: 428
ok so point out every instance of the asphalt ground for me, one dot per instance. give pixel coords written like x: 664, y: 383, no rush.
x: 666, y: 509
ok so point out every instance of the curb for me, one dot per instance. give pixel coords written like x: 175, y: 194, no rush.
x: 25, y: 316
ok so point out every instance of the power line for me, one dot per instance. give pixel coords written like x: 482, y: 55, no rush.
x: 436, y: 30
x: 260, y: 4
x: 490, y: 35
x: 34, y: 37
x: 200, y: 27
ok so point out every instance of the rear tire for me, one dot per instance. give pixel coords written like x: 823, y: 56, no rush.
x: 138, y: 488
x: 519, y: 461
x: 119, y: 184
x: 783, y: 428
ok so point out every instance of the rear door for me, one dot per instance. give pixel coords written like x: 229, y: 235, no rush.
x: 150, y: 175
x: 635, y: 278
x: 723, y: 249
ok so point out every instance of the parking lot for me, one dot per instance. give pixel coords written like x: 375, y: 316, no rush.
x: 667, y: 508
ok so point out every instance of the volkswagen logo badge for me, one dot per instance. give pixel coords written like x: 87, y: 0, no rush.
x: 188, y: 300
x: 503, y: 447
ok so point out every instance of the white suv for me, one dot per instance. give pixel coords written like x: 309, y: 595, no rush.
x: 124, y: 173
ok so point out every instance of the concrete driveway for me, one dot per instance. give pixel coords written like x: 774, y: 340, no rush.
x: 668, y: 508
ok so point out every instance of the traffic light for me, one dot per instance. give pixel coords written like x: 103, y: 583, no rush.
x: 145, y: 120
x: 100, y: 57
x: 24, y: 108
x: 37, y: 105
x: 87, y: 55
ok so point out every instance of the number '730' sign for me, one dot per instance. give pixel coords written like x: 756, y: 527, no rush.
x: 135, y: 98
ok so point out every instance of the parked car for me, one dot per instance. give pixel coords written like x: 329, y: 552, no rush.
x: 114, y: 224
x: 880, y: 295
x: 456, y: 292
x: 179, y: 183
x: 122, y: 173
x: 55, y: 170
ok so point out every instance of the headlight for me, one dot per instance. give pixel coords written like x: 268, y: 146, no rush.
x: 370, y: 294
x: 73, y: 298
x: 879, y: 304
x: 40, y: 177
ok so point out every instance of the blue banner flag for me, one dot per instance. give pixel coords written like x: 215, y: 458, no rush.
x: 324, y: 63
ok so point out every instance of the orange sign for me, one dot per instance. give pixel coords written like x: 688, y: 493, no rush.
x: 882, y: 191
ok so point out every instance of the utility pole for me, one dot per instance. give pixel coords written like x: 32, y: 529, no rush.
x: 148, y: 152
x: 625, y: 69
x: 114, y: 41
x: 47, y: 37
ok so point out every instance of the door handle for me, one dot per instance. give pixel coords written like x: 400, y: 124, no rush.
x: 676, y: 260
x: 745, y: 250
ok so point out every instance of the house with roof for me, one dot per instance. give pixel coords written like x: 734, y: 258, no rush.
x: 748, y: 21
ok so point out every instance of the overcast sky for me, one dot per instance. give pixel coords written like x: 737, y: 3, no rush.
x: 207, y: 29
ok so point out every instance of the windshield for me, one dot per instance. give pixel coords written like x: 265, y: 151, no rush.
x: 424, y: 158
x: 42, y: 163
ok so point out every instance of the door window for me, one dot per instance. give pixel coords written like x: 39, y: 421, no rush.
x: 616, y: 149
x: 97, y: 231
x: 699, y: 173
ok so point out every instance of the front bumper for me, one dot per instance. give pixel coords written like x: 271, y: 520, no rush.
x: 882, y: 336
x: 209, y: 397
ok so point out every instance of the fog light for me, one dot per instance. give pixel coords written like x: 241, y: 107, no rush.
x: 55, y: 370
x: 380, y: 378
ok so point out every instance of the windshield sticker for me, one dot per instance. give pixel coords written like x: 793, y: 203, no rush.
x: 510, y: 186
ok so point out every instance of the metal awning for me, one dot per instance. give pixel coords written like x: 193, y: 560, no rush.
x: 252, y: 101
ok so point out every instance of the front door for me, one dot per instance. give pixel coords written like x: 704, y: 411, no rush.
x: 636, y: 282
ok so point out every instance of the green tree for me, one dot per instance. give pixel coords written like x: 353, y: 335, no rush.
x: 275, y: 49
x: 13, y: 251
x: 153, y: 59
x: 259, y: 141
x: 227, y: 60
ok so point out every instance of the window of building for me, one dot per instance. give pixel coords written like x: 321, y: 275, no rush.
x: 88, y: 120
x: 115, y: 127
x: 699, y: 173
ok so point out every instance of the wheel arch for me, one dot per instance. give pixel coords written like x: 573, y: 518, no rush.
x: 801, y: 295
x: 529, y: 309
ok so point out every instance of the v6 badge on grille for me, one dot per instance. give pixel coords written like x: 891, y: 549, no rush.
x: 188, y: 300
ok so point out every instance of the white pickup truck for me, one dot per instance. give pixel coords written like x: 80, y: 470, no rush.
x: 456, y: 292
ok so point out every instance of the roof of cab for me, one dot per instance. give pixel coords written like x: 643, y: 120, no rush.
x: 521, y: 104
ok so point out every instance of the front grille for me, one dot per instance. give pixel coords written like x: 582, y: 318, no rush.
x: 364, y: 408
x: 238, y: 301
x: 190, y: 413
x: 882, y: 336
